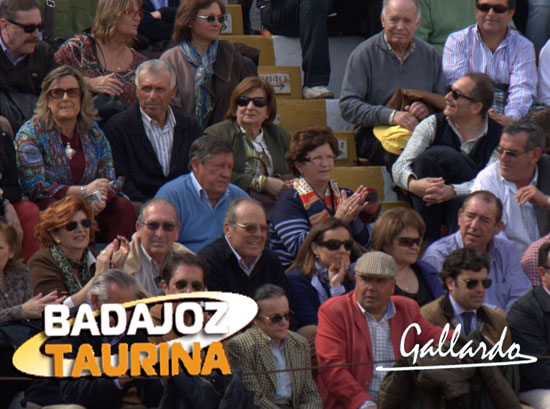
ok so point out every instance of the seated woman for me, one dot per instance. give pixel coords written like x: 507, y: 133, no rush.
x: 61, y: 151
x: 207, y: 69
x: 321, y: 269
x: 65, y: 264
x: 104, y: 58
x: 314, y: 195
x: 259, y: 147
x: 399, y: 232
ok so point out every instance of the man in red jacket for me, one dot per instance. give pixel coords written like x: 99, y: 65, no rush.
x: 363, y: 326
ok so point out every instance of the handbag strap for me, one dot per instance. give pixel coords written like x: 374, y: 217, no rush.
x: 95, y: 47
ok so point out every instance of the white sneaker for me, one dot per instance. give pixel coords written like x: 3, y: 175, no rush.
x: 317, y: 92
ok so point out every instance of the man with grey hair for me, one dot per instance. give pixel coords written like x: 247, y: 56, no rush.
x: 371, y: 317
x: 157, y: 229
x: 150, y: 141
x: 239, y: 260
x: 521, y: 180
x: 202, y: 196
x: 379, y: 66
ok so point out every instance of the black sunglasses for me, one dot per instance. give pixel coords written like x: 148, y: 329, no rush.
x: 471, y: 283
x: 258, y: 102
x: 154, y: 226
x: 457, y: 94
x: 58, y: 93
x: 497, y: 8
x: 85, y: 223
x: 181, y: 284
x: 334, y: 244
x: 276, y: 319
x: 409, y: 241
x: 212, y: 19
x: 27, y: 28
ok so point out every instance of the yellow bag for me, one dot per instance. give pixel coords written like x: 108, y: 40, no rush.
x: 393, y: 138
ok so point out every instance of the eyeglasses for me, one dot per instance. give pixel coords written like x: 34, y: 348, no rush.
x: 212, y: 19
x: 258, y: 102
x: 409, y: 241
x: 58, y: 93
x: 509, y: 152
x: 334, y: 244
x: 457, y: 94
x: 27, y: 28
x: 497, y: 8
x: 253, y: 228
x: 85, y: 223
x: 318, y: 160
x: 182, y: 284
x: 276, y: 319
x: 471, y: 283
x: 134, y: 13
x: 154, y: 226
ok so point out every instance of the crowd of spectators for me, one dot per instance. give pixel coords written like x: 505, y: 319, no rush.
x: 124, y: 177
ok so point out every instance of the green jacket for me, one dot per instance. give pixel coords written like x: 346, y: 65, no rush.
x: 71, y: 16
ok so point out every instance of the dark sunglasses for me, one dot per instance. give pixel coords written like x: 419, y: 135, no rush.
x: 57, y: 93
x: 409, y: 241
x: 334, y: 244
x: 253, y: 228
x: 471, y: 283
x: 212, y: 19
x: 511, y: 153
x: 85, y: 223
x: 27, y: 28
x: 154, y: 226
x: 457, y: 94
x: 181, y: 284
x: 276, y: 319
x: 497, y: 8
x: 258, y: 102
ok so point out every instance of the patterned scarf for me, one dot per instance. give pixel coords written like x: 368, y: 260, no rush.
x: 322, y: 274
x: 66, y: 266
x: 317, y: 209
x: 205, y: 68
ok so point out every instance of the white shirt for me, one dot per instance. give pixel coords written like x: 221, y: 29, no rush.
x: 162, y: 139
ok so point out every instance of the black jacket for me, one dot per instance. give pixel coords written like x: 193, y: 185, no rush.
x: 135, y: 158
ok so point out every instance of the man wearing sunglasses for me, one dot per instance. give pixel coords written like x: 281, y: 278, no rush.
x: 480, y: 221
x: 446, y: 151
x: 492, y: 47
x: 157, y: 229
x: 239, y: 260
x: 268, y: 345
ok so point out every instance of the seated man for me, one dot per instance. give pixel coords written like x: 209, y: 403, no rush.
x: 528, y: 322
x: 521, y: 179
x: 362, y: 326
x: 446, y: 151
x: 157, y: 229
x: 379, y: 66
x: 239, y: 261
x: 492, y: 47
x: 150, y: 141
x: 202, y: 196
x: 480, y: 220
x: 157, y: 23
x: 530, y: 260
x: 270, y: 345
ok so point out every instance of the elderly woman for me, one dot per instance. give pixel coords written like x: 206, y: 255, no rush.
x: 65, y: 264
x: 321, y: 269
x: 314, y: 195
x: 399, y: 232
x: 207, y: 69
x: 258, y: 145
x: 61, y: 151
x: 104, y: 58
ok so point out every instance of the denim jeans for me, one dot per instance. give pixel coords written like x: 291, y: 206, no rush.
x: 538, y: 22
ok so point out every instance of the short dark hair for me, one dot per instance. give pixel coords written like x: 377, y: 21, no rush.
x: 543, y: 255
x: 266, y: 292
x: 462, y: 259
x: 186, y: 259
x: 511, y: 4
x: 535, y: 133
x: 541, y: 116
x: 304, y: 141
x: 483, y: 90
x: 9, y: 8
x: 487, y: 197
x: 250, y: 84
x: 208, y: 145
x: 151, y: 202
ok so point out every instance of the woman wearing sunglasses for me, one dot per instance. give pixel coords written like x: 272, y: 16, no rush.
x: 61, y: 151
x: 104, y: 58
x: 207, y: 69
x: 399, y: 232
x: 65, y: 264
x: 259, y: 146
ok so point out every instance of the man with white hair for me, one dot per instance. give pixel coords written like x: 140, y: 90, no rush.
x: 150, y: 141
